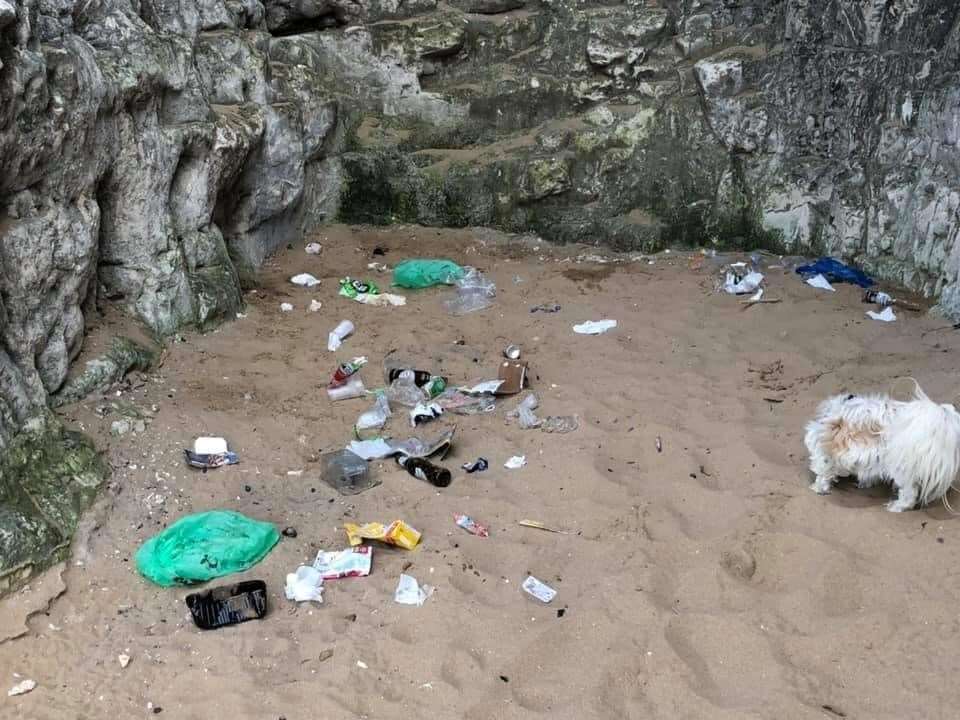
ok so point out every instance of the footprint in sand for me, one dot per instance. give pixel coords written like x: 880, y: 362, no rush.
x: 460, y: 667
x: 739, y: 562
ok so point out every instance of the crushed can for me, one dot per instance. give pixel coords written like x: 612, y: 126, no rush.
x: 434, y: 386
x: 345, y: 370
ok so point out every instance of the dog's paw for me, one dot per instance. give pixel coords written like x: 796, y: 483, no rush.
x: 820, y: 489
x: 895, y: 506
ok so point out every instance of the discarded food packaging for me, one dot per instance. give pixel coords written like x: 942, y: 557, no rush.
x: 353, y: 562
x: 470, y: 525
x: 540, y: 590
x: 478, y: 465
x: 209, y: 462
x: 513, y: 374
x: 228, y: 604
x: 397, y: 533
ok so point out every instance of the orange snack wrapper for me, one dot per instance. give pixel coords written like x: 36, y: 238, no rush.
x: 397, y: 533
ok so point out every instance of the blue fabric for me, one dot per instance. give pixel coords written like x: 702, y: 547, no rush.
x: 836, y: 271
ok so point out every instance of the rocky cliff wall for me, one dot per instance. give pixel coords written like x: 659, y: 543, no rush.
x: 152, y: 153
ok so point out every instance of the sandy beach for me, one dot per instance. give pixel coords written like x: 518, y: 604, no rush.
x: 700, y: 580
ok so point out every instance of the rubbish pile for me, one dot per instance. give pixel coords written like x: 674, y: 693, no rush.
x: 208, y: 545
x: 741, y: 278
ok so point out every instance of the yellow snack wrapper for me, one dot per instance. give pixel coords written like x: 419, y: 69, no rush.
x: 397, y: 533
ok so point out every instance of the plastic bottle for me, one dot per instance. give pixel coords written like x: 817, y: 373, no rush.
x: 404, y: 391
x: 420, y: 377
x: 423, y: 469
x: 877, y: 297
x: 345, y: 370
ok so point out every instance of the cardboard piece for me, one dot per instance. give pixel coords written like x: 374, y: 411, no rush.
x: 513, y: 373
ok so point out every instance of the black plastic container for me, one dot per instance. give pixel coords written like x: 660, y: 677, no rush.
x: 228, y: 604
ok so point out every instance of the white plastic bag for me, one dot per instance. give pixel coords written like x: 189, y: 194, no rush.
x: 371, y: 449
x: 819, y: 281
x: 747, y: 284
x: 304, y: 280
x: 305, y: 585
x: 375, y: 417
x: 410, y: 592
x: 594, y: 327
x: 381, y: 299
x: 524, y: 411
x: 887, y: 315
x: 474, y: 292
x: 516, y: 462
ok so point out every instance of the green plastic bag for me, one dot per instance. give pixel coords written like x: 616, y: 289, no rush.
x: 204, y: 546
x: 422, y: 273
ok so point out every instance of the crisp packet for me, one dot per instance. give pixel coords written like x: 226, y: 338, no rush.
x: 471, y: 526
x: 208, y: 462
x: 354, y: 562
x: 397, y: 533
x: 350, y: 288
x: 540, y: 590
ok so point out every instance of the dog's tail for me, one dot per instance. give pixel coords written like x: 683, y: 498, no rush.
x: 916, y: 391
x: 923, y: 444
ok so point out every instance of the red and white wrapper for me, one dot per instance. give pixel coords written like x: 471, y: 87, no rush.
x: 471, y: 526
x: 354, y: 562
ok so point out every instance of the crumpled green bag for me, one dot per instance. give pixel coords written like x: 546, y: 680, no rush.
x: 422, y: 273
x: 204, y: 546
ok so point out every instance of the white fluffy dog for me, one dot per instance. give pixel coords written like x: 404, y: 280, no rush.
x: 913, y: 445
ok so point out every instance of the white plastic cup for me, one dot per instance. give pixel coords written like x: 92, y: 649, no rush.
x: 353, y: 388
x: 335, y: 339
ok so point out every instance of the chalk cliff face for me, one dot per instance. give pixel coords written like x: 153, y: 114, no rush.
x: 153, y: 153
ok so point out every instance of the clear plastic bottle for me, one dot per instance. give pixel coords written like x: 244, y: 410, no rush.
x: 404, y: 391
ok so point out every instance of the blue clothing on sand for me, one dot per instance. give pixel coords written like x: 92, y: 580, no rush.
x: 835, y: 271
